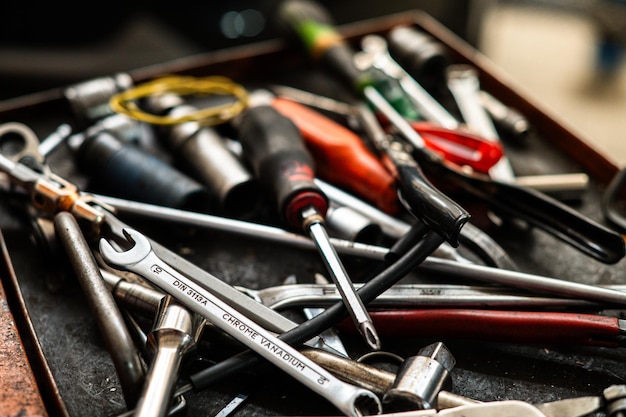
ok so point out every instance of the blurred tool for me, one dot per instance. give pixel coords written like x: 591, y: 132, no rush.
x: 128, y: 171
x: 175, y: 332
x: 546, y: 327
x: 202, y: 152
x: 374, y: 50
x: 457, y: 145
x: 89, y: 100
x: 426, y: 60
x: 54, y: 139
x: 274, y: 148
x: 464, y: 84
x: 447, y: 135
x: 127, y: 130
x: 142, y: 260
x: 423, y: 56
x: 119, y: 343
x: 314, y: 28
x: 341, y: 157
x: 507, y: 120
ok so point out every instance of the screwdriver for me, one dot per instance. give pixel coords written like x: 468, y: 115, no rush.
x: 310, y: 22
x: 341, y: 156
x: 273, y: 146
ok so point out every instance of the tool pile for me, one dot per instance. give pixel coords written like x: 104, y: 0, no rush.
x: 196, y: 220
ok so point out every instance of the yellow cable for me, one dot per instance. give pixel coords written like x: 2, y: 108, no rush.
x: 126, y: 101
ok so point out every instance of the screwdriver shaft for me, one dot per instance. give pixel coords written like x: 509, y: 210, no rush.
x: 353, y: 303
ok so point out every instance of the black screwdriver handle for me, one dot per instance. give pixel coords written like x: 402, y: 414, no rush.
x: 273, y: 146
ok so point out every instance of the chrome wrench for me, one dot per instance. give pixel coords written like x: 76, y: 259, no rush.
x: 140, y: 259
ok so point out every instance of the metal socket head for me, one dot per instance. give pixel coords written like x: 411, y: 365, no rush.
x: 420, y: 379
x: 440, y: 353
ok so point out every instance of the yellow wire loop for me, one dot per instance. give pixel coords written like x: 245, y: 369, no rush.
x: 126, y: 101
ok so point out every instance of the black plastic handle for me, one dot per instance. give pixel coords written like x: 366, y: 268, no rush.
x: 424, y: 201
x: 536, y: 208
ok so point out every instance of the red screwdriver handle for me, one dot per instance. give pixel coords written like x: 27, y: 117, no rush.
x: 498, y: 326
x: 341, y: 157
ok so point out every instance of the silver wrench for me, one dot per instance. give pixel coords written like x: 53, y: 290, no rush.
x: 140, y: 259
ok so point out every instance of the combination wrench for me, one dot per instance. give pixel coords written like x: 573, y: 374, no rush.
x: 140, y: 259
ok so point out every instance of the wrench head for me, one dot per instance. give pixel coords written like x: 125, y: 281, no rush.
x: 124, y: 259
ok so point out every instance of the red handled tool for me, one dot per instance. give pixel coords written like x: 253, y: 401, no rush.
x: 459, y: 147
x: 501, y: 326
x: 341, y: 157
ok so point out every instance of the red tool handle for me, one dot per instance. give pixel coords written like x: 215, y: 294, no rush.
x: 341, y: 157
x: 497, y: 326
x: 459, y: 147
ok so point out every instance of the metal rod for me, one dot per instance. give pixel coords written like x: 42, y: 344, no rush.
x: 117, y: 338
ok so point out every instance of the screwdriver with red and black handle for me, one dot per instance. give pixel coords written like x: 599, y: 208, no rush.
x: 275, y: 150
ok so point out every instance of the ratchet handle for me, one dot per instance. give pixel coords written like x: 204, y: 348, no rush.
x: 536, y: 208
x: 424, y: 201
x: 341, y: 157
x: 498, y: 326
x: 273, y: 146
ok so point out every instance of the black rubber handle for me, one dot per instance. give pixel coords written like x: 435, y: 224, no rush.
x: 427, y: 203
x: 536, y: 208
x: 273, y: 146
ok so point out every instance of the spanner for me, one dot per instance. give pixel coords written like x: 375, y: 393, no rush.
x: 140, y: 259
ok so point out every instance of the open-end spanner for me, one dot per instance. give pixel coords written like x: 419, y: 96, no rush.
x: 140, y: 259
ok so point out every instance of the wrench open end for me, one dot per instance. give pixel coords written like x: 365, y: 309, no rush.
x: 136, y: 253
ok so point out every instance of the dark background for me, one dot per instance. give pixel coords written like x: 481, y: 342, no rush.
x: 52, y: 44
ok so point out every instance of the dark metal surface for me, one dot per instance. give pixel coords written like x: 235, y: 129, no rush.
x: 83, y: 370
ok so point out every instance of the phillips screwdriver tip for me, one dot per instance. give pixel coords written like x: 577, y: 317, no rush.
x: 368, y: 332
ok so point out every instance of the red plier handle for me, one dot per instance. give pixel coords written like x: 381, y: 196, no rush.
x: 460, y: 147
x: 500, y: 326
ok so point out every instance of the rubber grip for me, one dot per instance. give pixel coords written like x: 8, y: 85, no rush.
x: 427, y: 203
x: 342, y: 158
x: 498, y: 326
x: 273, y: 146
x: 127, y: 171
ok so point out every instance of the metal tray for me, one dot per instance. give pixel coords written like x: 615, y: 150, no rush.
x: 74, y: 372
